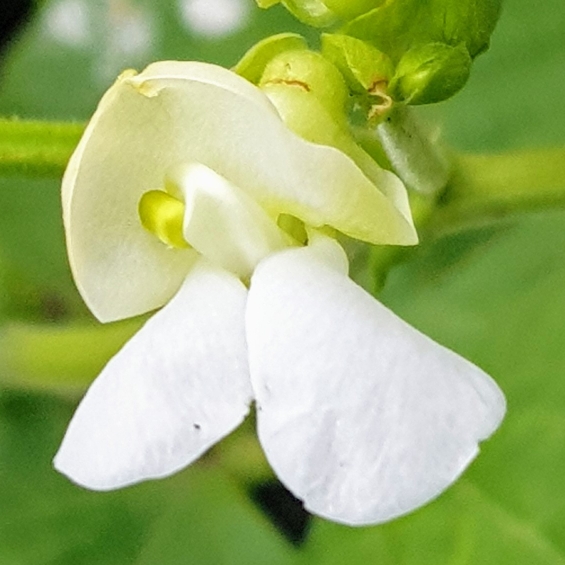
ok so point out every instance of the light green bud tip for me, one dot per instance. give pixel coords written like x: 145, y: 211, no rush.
x: 431, y: 73
x: 349, y: 9
x: 312, y: 73
x: 323, y: 13
x: 162, y: 215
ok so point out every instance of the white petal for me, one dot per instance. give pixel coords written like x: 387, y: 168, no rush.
x: 177, y: 387
x: 224, y: 223
x: 360, y: 415
x: 183, y: 112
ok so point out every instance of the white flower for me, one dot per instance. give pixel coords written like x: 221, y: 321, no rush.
x: 360, y: 415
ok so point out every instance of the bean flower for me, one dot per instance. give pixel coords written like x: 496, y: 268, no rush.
x: 189, y: 194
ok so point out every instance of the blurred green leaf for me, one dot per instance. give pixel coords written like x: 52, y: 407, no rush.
x: 45, y: 520
x: 197, y: 517
x: 514, y: 98
x: 497, y: 297
x: 213, y: 522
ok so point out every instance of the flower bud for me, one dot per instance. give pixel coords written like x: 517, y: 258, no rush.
x: 310, y: 73
x: 311, y: 12
x: 397, y: 25
x: 252, y: 65
x: 431, y: 73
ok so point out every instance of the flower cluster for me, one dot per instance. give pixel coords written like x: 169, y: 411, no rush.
x: 189, y: 193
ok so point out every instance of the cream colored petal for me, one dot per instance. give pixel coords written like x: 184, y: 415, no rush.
x: 176, y: 113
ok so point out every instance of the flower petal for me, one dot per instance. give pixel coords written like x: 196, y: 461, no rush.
x: 224, y: 223
x: 360, y: 415
x: 177, y: 387
x: 184, y: 112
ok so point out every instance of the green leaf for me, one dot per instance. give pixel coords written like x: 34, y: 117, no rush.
x: 514, y: 97
x: 45, y: 518
x: 399, y: 25
x: 213, y: 522
x: 466, y: 528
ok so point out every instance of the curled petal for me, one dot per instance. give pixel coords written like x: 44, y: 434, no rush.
x: 224, y: 224
x: 177, y: 387
x: 360, y: 415
x: 183, y: 112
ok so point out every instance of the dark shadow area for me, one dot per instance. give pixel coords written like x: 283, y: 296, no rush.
x: 284, y: 510
x: 14, y: 14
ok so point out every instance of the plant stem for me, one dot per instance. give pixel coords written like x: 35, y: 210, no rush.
x: 36, y: 149
x: 483, y: 190
x: 489, y: 188
x: 65, y: 359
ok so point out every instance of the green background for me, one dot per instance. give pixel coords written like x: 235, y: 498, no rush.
x: 495, y: 295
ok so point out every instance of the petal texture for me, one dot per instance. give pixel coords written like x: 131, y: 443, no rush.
x: 360, y: 415
x: 177, y: 387
x: 175, y: 113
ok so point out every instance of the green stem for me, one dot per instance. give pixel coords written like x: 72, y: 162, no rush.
x: 36, y: 149
x: 483, y: 189
x: 59, y: 358
x: 490, y: 188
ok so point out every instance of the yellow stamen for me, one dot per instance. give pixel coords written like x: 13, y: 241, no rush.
x: 162, y: 215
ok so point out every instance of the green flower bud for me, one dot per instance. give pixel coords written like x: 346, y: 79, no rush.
x: 431, y: 73
x: 323, y: 13
x: 311, y: 97
x: 252, y: 65
x: 310, y: 73
x: 397, y: 25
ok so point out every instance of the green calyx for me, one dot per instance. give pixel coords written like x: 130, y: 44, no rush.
x: 431, y: 73
x: 361, y: 64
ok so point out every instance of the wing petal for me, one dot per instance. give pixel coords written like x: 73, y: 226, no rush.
x: 177, y: 387
x: 361, y: 416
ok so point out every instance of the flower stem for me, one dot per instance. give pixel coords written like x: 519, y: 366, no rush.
x: 490, y: 188
x: 63, y: 359
x: 36, y: 149
x: 483, y: 190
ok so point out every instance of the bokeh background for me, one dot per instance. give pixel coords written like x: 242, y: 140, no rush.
x: 495, y: 294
